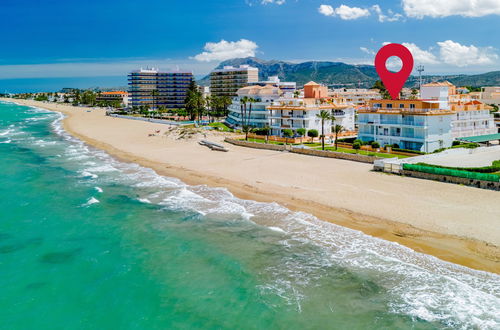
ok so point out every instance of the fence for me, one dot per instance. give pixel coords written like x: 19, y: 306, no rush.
x: 451, y: 172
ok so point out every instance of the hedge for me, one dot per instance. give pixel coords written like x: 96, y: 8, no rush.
x: 452, y: 172
x: 495, y: 167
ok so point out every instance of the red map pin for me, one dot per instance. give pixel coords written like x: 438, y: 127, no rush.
x: 394, y: 81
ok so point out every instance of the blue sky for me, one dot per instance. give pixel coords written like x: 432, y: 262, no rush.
x: 54, y: 38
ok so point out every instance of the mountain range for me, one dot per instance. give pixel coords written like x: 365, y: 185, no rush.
x: 338, y: 74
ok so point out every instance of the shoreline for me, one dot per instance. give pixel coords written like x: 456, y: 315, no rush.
x: 467, y: 251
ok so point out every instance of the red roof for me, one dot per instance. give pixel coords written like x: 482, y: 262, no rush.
x: 114, y: 93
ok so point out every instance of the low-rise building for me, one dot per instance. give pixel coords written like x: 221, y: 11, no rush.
x: 410, y: 124
x: 356, y: 96
x: 113, y: 96
x: 490, y: 95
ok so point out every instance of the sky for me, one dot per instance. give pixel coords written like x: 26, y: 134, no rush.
x: 69, y: 42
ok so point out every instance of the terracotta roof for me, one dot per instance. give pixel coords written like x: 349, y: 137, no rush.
x: 114, y: 93
x: 441, y: 83
x: 312, y: 83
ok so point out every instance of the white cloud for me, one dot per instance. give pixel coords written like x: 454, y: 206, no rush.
x: 277, y: 2
x: 390, y: 17
x: 225, y: 50
x: 349, y: 13
x: 459, y: 55
x: 344, y: 12
x: 367, y: 51
x: 421, y: 56
x: 443, y: 8
x: 326, y: 10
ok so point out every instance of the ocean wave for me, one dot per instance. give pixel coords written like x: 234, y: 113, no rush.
x: 98, y: 189
x: 91, y: 201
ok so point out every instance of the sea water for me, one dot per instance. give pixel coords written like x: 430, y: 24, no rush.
x: 89, y: 242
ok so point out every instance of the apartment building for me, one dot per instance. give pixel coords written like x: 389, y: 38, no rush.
x: 295, y: 113
x: 490, y: 95
x: 285, y: 86
x: 155, y: 89
x: 113, y: 96
x: 472, y: 117
x: 411, y: 124
x: 356, y: 96
x: 264, y: 96
x: 281, y: 110
x: 227, y: 81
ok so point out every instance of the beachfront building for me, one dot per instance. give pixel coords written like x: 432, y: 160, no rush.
x: 471, y: 117
x: 295, y: 113
x: 287, y: 87
x: 113, y: 97
x: 155, y: 89
x: 410, y: 124
x: 263, y: 96
x: 227, y: 81
x: 490, y: 95
x: 356, y: 96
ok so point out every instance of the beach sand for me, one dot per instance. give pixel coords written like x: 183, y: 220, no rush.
x: 455, y: 223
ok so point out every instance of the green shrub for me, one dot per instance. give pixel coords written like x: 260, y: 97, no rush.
x: 287, y: 133
x: 356, y: 145
x: 375, y: 145
x: 495, y: 167
x: 348, y: 140
x: 455, y: 143
x: 313, y: 133
x: 301, y: 131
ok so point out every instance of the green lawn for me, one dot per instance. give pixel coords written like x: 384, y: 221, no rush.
x: 220, y: 127
x: 270, y: 142
x: 362, y: 152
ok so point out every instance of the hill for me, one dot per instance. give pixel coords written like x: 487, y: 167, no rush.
x: 342, y: 74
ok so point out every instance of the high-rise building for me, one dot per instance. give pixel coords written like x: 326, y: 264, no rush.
x: 155, y: 89
x: 227, y: 81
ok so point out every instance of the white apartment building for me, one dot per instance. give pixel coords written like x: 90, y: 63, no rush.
x: 411, y: 124
x: 283, y: 111
x: 285, y: 86
x: 259, y: 117
x: 471, y: 117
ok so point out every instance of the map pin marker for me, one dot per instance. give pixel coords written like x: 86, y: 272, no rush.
x: 394, y: 81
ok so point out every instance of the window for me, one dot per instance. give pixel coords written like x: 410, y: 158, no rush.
x: 402, y: 106
x: 377, y: 105
x: 412, y: 106
x: 389, y: 105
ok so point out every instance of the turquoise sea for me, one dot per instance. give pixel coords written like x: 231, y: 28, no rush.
x: 89, y: 242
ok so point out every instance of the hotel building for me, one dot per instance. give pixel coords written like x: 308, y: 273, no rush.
x: 154, y: 88
x: 285, y: 86
x: 227, y: 81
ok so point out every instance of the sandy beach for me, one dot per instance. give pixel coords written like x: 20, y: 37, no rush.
x: 455, y: 223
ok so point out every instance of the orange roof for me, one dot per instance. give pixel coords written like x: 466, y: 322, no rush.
x: 312, y: 83
x: 114, y: 93
x: 473, y: 102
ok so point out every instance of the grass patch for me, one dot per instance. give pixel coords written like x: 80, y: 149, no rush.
x: 220, y: 127
x: 362, y: 152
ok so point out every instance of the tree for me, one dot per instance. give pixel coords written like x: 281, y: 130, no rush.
x: 194, y: 101
x: 246, y: 113
x: 356, y: 146
x: 414, y: 93
x: 383, y: 91
x: 312, y: 133
x: 267, y: 129
x: 337, y: 129
x: 301, y: 131
x: 287, y: 133
x: 154, y: 94
x: 324, y: 116
x: 225, y: 102
x: 375, y: 145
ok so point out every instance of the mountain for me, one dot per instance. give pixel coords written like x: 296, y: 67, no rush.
x: 342, y: 74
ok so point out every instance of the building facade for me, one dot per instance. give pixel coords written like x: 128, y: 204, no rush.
x: 281, y: 111
x: 227, y: 81
x: 356, y: 96
x: 156, y: 89
x: 411, y: 124
x: 113, y: 96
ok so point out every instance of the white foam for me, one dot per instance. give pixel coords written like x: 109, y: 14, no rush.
x: 98, y: 189
x: 144, y: 200
x: 6, y: 141
x: 91, y: 201
x: 86, y: 174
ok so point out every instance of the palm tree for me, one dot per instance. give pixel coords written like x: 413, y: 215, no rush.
x: 267, y: 128
x: 337, y: 129
x: 324, y: 116
x: 154, y: 94
x: 246, y: 113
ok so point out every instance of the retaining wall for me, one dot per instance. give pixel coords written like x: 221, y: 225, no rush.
x: 333, y: 154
